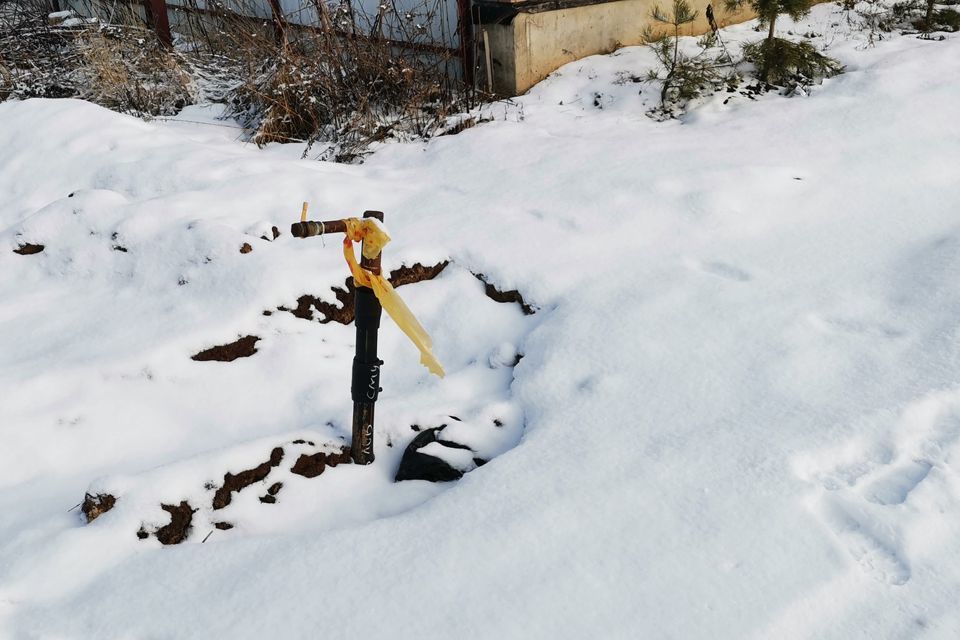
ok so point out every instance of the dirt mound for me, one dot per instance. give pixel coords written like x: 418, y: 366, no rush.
x: 242, y: 348
x: 237, y: 482
x: 29, y: 249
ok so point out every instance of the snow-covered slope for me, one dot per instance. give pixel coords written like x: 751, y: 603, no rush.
x: 737, y: 413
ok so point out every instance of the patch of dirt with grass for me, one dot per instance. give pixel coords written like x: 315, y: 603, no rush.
x: 95, y: 506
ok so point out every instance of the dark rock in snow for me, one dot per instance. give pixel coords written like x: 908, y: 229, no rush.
x: 453, y: 445
x: 419, y: 466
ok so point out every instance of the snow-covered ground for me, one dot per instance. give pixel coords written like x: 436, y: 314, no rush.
x: 737, y: 414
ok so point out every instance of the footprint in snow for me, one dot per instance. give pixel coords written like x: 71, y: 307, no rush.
x: 724, y: 270
x: 855, y: 327
x: 893, y: 486
x: 864, y: 484
x: 864, y: 542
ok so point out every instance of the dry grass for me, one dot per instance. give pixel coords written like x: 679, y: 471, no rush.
x: 127, y: 70
x: 122, y: 67
x: 339, y: 79
x: 343, y: 80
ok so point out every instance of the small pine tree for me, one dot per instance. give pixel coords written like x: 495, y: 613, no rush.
x: 767, y: 11
x: 666, y: 49
x: 684, y: 77
x: 781, y: 61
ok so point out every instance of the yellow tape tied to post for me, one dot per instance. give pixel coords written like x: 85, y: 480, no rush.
x: 374, y: 238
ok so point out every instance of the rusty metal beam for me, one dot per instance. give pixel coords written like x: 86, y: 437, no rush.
x: 465, y: 29
x: 309, y: 229
x: 279, y: 31
x: 158, y: 20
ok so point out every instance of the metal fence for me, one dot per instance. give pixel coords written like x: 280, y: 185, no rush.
x: 441, y: 27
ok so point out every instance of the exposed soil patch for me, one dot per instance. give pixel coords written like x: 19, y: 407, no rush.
x: 95, y: 506
x: 236, y: 482
x: 272, y: 492
x: 505, y: 296
x: 306, y: 304
x: 246, y: 248
x: 242, y: 348
x: 29, y: 249
x: 329, y: 312
x: 416, y: 273
x: 181, y: 516
x: 310, y: 466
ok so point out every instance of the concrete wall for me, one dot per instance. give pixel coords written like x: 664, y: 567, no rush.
x: 533, y: 45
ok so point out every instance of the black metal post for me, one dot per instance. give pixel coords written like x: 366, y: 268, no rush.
x: 365, y: 381
x: 365, y: 384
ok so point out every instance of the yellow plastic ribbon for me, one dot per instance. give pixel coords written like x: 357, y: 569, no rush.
x: 374, y: 238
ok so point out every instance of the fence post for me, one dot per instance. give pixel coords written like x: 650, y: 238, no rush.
x: 465, y: 27
x: 158, y: 20
x: 279, y: 30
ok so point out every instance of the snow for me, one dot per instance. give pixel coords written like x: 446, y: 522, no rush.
x: 737, y: 413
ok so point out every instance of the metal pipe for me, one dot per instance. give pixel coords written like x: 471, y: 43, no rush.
x: 365, y: 380
x: 310, y: 228
x: 365, y: 384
